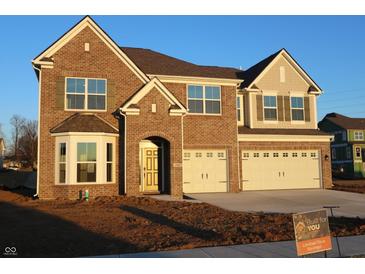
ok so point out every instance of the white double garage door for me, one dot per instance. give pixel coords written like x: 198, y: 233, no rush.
x: 206, y: 171
x: 281, y: 169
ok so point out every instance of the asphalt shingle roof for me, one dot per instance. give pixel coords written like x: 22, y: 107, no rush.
x: 346, y: 122
x: 84, y: 122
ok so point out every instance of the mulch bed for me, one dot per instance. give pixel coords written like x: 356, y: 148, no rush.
x: 112, y: 225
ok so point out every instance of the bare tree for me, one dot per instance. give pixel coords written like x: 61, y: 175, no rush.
x: 17, y: 122
x: 2, y: 135
x: 28, y: 142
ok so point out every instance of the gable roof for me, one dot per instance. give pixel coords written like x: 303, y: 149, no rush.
x: 252, y: 74
x: 84, y: 122
x: 156, y: 63
x: 132, y: 103
x: 45, y: 57
x: 345, y: 121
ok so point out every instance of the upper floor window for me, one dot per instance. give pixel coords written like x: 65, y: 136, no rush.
x: 204, y: 99
x: 358, y: 135
x: 85, y: 94
x: 270, y: 108
x: 297, y: 108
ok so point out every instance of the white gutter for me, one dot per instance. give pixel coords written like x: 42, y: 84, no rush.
x: 38, y: 127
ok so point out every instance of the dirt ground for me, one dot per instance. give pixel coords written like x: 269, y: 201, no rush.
x: 357, y: 186
x: 112, y: 225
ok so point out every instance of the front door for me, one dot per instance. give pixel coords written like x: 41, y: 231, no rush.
x: 150, y: 169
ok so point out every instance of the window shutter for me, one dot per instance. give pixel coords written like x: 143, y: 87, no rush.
x: 307, y: 114
x: 280, y: 108
x: 259, y: 108
x: 111, y: 93
x: 60, y: 93
x: 287, y: 108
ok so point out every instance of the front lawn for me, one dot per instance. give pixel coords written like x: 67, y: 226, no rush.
x: 112, y: 225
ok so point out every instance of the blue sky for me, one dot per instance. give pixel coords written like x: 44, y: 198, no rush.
x: 330, y: 48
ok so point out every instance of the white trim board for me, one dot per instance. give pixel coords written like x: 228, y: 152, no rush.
x: 281, y: 138
x: 294, y: 64
x: 196, y: 80
x: 154, y: 83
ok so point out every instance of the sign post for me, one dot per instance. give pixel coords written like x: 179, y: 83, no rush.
x: 312, y: 232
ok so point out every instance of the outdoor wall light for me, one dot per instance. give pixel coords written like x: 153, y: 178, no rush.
x: 326, y: 157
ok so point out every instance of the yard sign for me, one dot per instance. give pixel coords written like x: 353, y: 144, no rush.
x: 312, y: 232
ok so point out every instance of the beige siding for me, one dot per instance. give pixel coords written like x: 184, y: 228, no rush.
x: 294, y: 85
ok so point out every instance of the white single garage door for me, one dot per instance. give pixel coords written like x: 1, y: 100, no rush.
x: 289, y: 169
x: 205, y: 171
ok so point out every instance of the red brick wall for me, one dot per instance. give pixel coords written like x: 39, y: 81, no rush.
x: 159, y: 124
x: 213, y: 132
x: 72, y: 60
x: 324, y: 149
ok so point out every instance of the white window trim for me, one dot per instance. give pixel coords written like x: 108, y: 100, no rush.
x: 204, y: 99
x: 276, y: 108
x: 291, y: 108
x: 359, y: 133
x: 242, y: 116
x: 86, y: 109
x: 71, y: 141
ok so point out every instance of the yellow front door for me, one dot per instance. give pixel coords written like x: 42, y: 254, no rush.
x: 150, y: 169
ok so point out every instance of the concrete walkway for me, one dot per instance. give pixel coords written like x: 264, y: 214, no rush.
x: 349, y: 246
x: 288, y: 201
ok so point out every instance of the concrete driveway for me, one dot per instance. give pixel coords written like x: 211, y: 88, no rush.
x: 288, y: 201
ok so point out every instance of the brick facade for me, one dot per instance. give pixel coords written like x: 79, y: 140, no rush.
x: 181, y: 132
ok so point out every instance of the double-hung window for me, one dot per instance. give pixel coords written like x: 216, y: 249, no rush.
x: 86, y: 162
x: 204, y: 99
x: 85, y: 94
x: 297, y: 108
x: 109, y: 162
x: 62, y: 163
x: 270, y: 108
x: 358, y: 135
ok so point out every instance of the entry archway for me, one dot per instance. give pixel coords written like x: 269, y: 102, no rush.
x: 154, y: 162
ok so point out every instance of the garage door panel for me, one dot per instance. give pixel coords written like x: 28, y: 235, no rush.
x: 205, y: 171
x: 287, y: 169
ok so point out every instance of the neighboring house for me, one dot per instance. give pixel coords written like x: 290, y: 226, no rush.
x: 118, y: 120
x: 2, y: 153
x: 348, y: 148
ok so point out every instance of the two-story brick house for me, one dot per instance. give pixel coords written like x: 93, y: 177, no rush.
x: 116, y: 120
x: 348, y: 148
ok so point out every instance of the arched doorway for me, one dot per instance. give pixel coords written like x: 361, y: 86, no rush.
x: 154, y: 162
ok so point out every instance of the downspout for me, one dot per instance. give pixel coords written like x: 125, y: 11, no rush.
x: 36, y: 195
x: 125, y: 150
